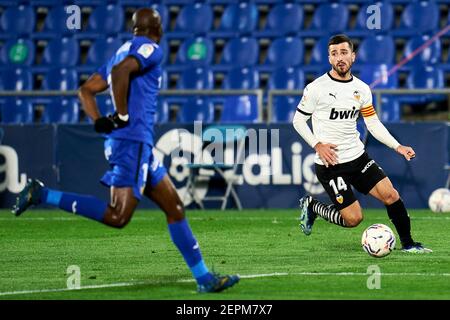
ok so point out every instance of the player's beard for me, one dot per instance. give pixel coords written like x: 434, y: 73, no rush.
x: 342, y: 73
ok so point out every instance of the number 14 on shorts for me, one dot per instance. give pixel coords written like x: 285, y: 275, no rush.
x: 338, y: 184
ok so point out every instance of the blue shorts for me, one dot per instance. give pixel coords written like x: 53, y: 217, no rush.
x: 132, y: 165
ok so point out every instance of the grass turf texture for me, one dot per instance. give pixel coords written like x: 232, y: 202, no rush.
x: 37, y: 248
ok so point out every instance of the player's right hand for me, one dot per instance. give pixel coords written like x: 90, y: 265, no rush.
x: 327, y: 153
x: 104, y: 125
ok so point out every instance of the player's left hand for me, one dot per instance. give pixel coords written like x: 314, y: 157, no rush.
x: 119, y: 123
x: 407, y: 152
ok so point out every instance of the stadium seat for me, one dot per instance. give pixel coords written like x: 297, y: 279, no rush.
x: 164, y: 45
x: 20, y: 52
x: 198, y: 51
x: 238, y: 19
x: 430, y: 55
x: 376, y: 76
x: 60, y: 79
x: 285, y: 52
x: 287, y: 79
x: 61, y: 110
x: 16, y: 110
x: 106, y: 20
x: 196, y: 78
x: 240, y: 109
x: 105, y: 104
x: 196, y: 109
x: 162, y: 111
x: 283, y: 19
x: 62, y: 52
x: 283, y: 108
x: 56, y: 23
x: 102, y: 50
x: 18, y: 20
x: 193, y: 19
x: 17, y: 79
x: 328, y: 18
x: 377, y: 49
x: 239, y: 52
x: 386, y: 19
x: 418, y: 17
x: 319, y: 54
x: 241, y: 79
x: 424, y: 77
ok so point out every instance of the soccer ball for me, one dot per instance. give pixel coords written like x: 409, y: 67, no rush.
x: 378, y: 240
x: 439, y: 200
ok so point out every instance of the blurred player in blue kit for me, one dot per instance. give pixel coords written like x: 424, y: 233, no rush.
x: 133, y: 74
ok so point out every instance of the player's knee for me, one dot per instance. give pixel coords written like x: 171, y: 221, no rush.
x: 118, y: 218
x: 177, y: 213
x: 391, y: 196
x: 354, y: 220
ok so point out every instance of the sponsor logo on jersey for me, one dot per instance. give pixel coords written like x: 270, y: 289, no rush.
x: 343, y: 114
x: 333, y: 94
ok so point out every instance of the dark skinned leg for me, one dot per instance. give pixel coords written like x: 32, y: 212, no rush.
x: 121, y: 209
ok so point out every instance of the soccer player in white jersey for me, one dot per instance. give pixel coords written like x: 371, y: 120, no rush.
x: 334, y: 101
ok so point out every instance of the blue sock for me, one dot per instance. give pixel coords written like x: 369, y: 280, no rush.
x: 182, y: 237
x: 86, y: 206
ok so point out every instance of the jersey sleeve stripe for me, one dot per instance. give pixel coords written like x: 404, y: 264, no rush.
x: 303, y: 112
x: 368, y: 114
x: 369, y: 107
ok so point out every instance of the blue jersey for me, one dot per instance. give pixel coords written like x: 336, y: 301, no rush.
x: 143, y: 88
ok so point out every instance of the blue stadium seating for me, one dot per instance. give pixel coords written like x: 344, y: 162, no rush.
x: 20, y: 52
x: 196, y: 78
x: 16, y: 110
x: 194, y: 18
x: 424, y: 77
x: 287, y: 78
x: 285, y: 52
x: 162, y: 111
x: 430, y: 55
x: 56, y: 24
x: 283, y: 19
x: 386, y: 19
x: 60, y: 79
x: 198, y: 51
x: 17, y: 79
x: 284, y: 108
x: 418, y: 18
x: 18, y: 21
x: 62, y: 52
x: 239, y: 52
x: 371, y: 73
x: 196, y: 109
x: 319, y: 54
x: 61, y: 110
x: 237, y: 19
x: 102, y: 50
x: 240, y: 109
x: 377, y: 49
x: 241, y: 79
x: 328, y: 18
x: 105, y: 104
x: 163, y: 13
x: 106, y: 20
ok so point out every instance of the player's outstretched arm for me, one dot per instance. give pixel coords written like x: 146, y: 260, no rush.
x: 379, y: 131
x: 95, y: 84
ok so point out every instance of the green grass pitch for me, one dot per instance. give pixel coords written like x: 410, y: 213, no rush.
x: 266, y: 247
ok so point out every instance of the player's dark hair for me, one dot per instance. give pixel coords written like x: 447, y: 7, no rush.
x: 340, y: 38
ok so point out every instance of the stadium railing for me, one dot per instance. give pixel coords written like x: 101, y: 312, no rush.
x: 171, y: 93
x: 377, y: 92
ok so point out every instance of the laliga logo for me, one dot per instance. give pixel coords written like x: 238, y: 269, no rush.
x: 260, y: 166
x: 11, y: 170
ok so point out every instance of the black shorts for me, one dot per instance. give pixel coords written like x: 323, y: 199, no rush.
x: 363, y: 174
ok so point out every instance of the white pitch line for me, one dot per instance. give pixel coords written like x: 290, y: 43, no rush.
x: 249, y: 276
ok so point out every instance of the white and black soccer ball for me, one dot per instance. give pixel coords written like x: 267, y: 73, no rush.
x: 439, y: 200
x: 378, y: 240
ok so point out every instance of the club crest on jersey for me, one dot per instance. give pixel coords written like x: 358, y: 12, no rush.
x: 343, y: 114
x: 356, y: 95
x: 339, y: 198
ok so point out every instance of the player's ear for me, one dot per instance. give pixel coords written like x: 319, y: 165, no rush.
x: 353, y: 56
